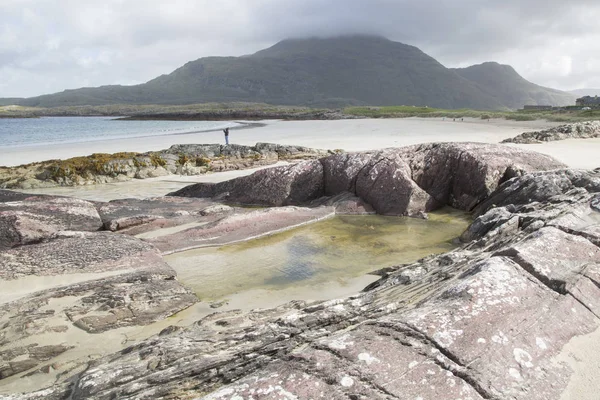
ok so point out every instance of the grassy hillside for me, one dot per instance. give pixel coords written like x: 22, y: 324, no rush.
x: 334, y: 72
x: 7, y: 101
x: 504, y: 84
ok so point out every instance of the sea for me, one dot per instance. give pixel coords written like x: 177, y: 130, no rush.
x: 18, y: 132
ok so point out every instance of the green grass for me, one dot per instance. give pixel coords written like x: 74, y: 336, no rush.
x: 569, y: 115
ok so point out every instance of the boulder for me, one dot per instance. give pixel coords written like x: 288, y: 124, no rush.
x: 464, y: 174
x: 385, y: 183
x: 278, y: 186
x: 399, y: 181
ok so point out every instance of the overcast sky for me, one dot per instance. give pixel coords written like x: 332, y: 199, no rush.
x: 51, y: 45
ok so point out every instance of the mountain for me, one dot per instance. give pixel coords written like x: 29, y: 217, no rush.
x: 350, y: 70
x: 8, y: 101
x: 504, y: 84
x: 585, y: 92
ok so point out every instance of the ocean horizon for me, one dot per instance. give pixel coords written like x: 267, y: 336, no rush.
x: 25, y: 132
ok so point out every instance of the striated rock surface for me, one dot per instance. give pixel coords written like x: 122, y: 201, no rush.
x: 577, y: 130
x: 400, y: 181
x: 159, y: 212
x: 240, y: 226
x: 56, y: 294
x: 28, y: 219
x: 485, y: 321
x: 189, y: 159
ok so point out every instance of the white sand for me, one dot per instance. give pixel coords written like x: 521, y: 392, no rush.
x: 582, y: 354
x: 350, y: 135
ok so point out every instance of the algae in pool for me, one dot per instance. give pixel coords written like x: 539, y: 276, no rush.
x: 337, y: 249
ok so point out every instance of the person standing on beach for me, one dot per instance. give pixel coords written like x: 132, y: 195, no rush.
x: 226, y: 131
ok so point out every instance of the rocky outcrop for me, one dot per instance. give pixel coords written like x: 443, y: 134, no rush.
x: 56, y: 294
x: 154, y: 213
x: 402, y: 181
x: 485, y: 321
x: 28, y: 219
x: 577, y: 130
x: 240, y: 226
x: 285, y: 185
x: 190, y: 159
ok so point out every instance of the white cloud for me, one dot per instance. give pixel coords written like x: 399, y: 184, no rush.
x: 48, y: 46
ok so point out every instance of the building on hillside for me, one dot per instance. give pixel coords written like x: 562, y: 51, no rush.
x: 588, y: 101
x: 536, y: 108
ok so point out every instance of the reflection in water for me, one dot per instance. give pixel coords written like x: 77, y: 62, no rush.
x: 338, y: 249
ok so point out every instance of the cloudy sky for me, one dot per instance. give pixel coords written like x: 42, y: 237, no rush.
x: 51, y: 45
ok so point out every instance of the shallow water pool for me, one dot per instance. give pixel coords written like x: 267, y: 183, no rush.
x: 337, y: 250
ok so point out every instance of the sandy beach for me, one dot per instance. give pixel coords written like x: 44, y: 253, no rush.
x: 350, y: 135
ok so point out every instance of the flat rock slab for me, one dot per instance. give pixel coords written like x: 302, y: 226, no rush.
x: 77, y: 284
x: 33, y: 218
x: 79, y: 252
x: 559, y: 268
x: 240, y: 227
x: 118, y: 215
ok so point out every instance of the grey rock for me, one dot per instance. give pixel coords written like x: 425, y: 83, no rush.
x: 118, y: 215
x: 401, y: 181
x: 80, y: 282
x: 278, y: 186
x: 577, y: 130
x: 485, y: 223
x: 31, y: 219
x: 484, y: 321
x: 540, y: 187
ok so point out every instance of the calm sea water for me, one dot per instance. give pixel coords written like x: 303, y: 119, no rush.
x: 36, y: 131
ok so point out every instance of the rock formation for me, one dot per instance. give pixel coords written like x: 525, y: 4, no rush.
x: 402, y: 181
x: 484, y: 321
x: 191, y: 159
x: 577, y: 130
